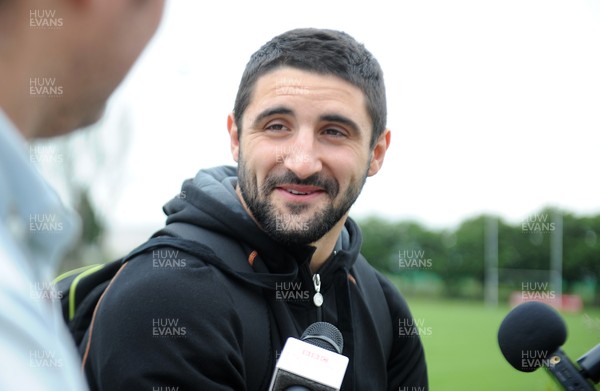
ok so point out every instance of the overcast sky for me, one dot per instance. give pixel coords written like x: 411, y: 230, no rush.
x: 494, y: 106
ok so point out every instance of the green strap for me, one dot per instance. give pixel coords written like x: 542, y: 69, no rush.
x: 73, y: 288
x: 69, y: 273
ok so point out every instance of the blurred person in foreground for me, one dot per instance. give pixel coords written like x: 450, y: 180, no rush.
x: 308, y: 128
x: 59, y: 63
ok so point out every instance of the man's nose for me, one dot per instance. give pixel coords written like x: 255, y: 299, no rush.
x: 302, y: 155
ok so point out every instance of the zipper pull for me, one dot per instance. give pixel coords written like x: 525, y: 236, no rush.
x: 318, y: 297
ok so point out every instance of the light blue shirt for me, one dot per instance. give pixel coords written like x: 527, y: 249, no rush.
x: 36, y: 349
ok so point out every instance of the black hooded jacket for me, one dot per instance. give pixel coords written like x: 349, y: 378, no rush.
x: 170, y: 321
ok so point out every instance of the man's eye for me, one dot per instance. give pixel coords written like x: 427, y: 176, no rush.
x: 276, y: 127
x: 334, y: 132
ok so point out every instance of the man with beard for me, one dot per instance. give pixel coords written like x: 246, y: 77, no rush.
x: 308, y: 128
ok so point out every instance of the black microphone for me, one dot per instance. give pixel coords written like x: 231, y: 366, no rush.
x: 530, y: 337
x: 312, y: 363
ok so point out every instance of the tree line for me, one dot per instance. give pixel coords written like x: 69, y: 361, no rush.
x: 455, y: 257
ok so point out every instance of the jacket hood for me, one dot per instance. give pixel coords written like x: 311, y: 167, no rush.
x: 209, y: 200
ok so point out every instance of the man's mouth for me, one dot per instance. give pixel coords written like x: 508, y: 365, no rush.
x: 298, y: 191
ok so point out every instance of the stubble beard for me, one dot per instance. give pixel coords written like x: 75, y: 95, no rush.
x: 293, y: 227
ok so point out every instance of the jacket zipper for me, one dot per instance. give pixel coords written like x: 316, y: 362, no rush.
x: 318, y: 297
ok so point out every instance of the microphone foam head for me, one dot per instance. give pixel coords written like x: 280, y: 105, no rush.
x: 529, y: 334
x: 324, y: 335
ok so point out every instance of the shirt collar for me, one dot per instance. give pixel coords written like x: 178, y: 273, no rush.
x: 29, y: 207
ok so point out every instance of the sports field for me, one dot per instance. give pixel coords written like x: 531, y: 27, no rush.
x: 460, y: 340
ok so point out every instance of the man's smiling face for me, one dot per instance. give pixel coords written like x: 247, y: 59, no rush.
x: 303, y: 153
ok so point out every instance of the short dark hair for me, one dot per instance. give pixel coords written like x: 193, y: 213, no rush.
x: 327, y: 52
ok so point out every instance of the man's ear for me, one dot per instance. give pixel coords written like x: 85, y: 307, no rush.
x: 378, y: 153
x: 234, y: 141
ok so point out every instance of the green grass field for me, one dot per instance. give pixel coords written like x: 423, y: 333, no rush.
x: 462, y: 349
